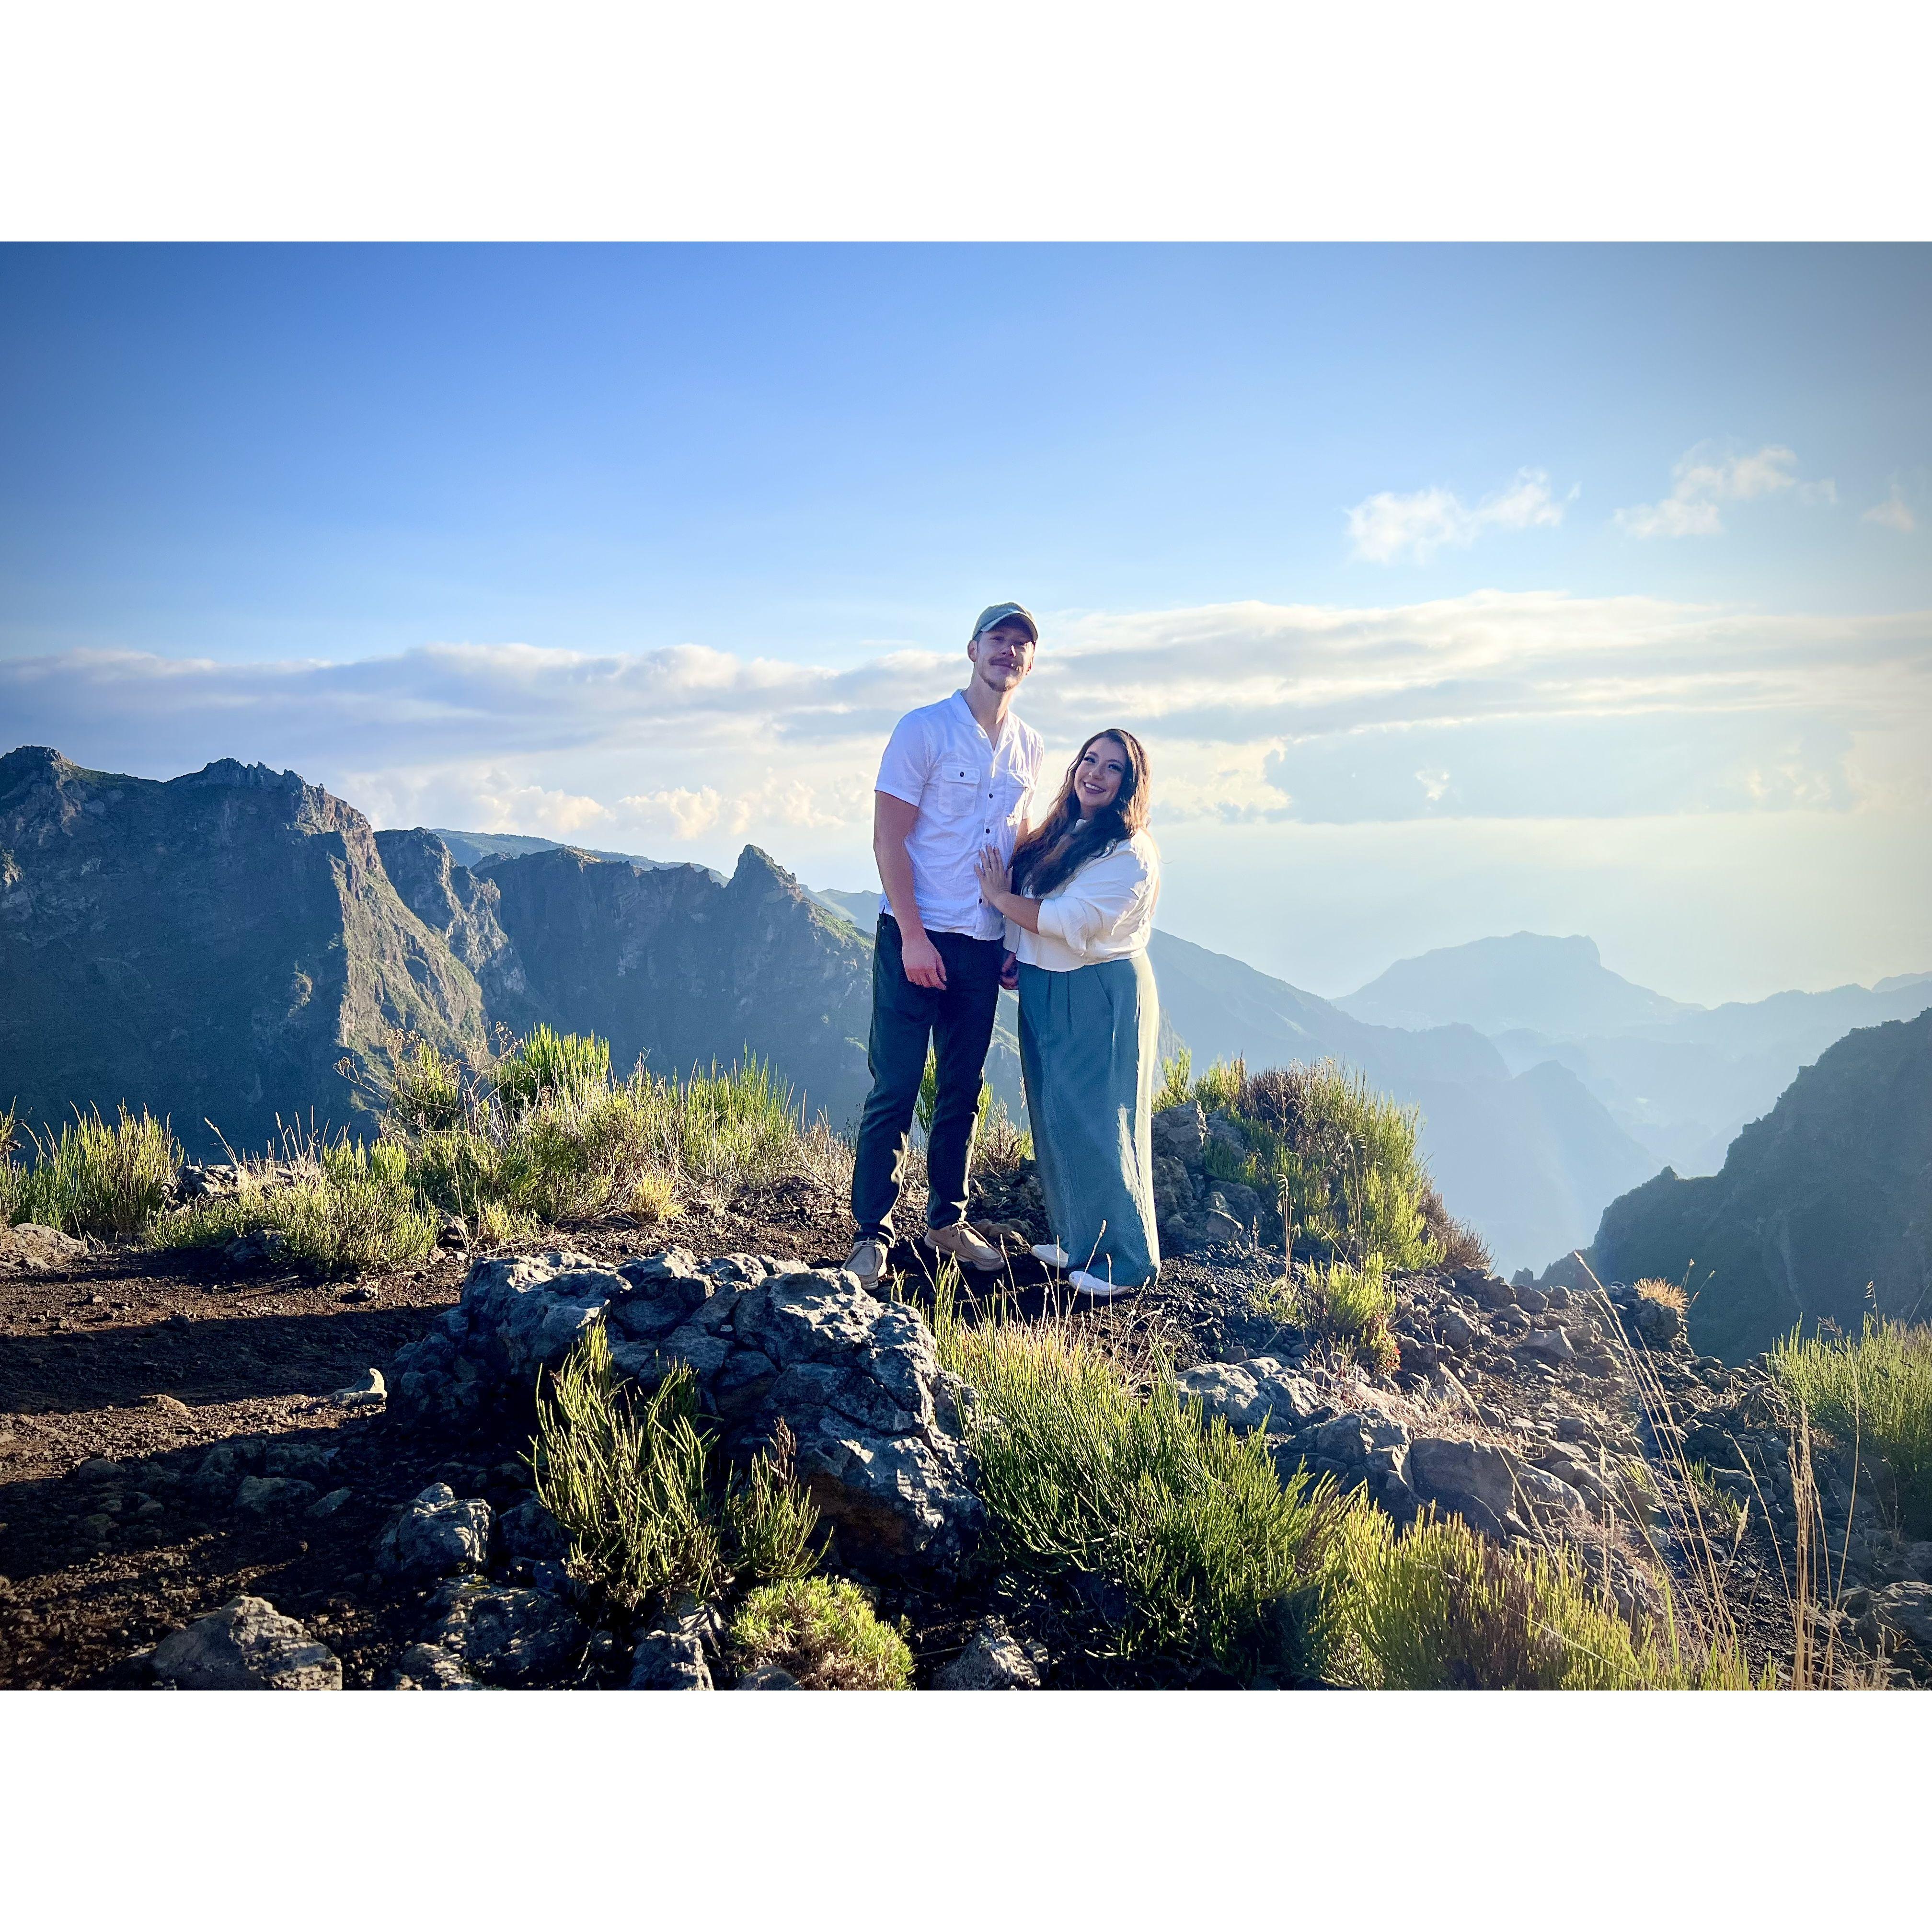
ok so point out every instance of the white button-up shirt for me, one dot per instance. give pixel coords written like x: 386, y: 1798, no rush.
x: 971, y: 793
x: 1105, y: 911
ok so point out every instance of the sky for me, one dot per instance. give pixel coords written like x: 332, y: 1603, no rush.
x: 1453, y: 590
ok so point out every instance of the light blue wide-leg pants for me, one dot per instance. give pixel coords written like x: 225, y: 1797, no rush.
x: 1088, y: 1052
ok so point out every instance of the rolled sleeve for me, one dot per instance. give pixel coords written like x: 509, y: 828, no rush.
x: 907, y: 762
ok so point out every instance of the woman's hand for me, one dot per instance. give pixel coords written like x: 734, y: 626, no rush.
x: 1009, y: 971
x: 996, y: 884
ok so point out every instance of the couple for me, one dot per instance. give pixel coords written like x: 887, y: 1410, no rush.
x: 977, y: 897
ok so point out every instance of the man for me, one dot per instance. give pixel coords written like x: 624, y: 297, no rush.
x: 956, y: 776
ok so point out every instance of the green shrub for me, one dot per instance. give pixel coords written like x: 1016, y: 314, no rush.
x: 824, y: 1631
x: 1352, y: 1305
x: 546, y: 1064
x: 631, y: 1480
x: 94, y: 1178
x: 1339, y: 1160
x: 1439, y: 1607
x: 351, y: 1207
x: 1175, y: 1087
x: 1213, y: 1556
x: 425, y: 1089
x: 1877, y: 1391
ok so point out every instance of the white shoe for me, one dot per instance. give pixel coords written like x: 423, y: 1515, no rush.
x: 1100, y: 1290
x: 1053, y: 1254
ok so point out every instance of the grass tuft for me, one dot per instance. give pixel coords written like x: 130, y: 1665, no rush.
x: 1350, y: 1305
x: 350, y: 1207
x: 1210, y: 1555
x: 1874, y: 1391
x: 631, y: 1480
x: 94, y: 1178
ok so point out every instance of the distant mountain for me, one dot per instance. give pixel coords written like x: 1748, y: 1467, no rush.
x: 210, y: 947
x: 1832, y: 1190
x: 1518, y: 1157
x: 1560, y: 987
x: 471, y: 848
x: 1679, y: 1080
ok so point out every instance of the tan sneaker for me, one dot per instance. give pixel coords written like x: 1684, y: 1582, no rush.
x: 961, y: 1243
x: 868, y: 1261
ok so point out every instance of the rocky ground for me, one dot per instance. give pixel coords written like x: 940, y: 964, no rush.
x: 202, y: 1482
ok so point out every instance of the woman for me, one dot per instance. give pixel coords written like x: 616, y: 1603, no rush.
x: 1079, y: 905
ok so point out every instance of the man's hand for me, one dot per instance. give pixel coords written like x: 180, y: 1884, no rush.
x: 920, y: 959
x: 1009, y: 971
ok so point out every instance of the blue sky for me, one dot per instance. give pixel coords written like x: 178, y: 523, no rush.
x: 1456, y: 590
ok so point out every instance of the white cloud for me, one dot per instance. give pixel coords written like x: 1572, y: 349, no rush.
x: 1702, y: 480
x: 1893, y: 514
x: 1386, y: 527
x: 1434, y: 783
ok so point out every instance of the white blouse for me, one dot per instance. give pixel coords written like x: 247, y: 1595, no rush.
x: 1104, y: 911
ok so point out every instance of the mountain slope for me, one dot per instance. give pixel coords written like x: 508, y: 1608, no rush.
x: 209, y: 947
x: 678, y: 966
x: 1831, y: 1190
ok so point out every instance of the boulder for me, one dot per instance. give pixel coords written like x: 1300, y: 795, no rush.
x: 246, y: 1644
x: 992, y: 1660
x: 28, y: 1248
x: 667, y: 1659
x: 529, y: 1533
x: 503, y: 1635
x: 371, y: 1392
x: 434, y: 1535
x: 1223, y: 1389
x: 1474, y: 1481
x: 1181, y: 1132
x: 855, y: 1379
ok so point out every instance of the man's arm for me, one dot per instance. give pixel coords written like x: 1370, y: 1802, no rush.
x: 892, y: 820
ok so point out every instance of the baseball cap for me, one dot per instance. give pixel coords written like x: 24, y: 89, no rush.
x: 1001, y: 613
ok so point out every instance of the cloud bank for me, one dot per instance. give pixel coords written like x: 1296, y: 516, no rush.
x: 1495, y: 706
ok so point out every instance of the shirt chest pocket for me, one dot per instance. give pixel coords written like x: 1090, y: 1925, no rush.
x: 955, y: 792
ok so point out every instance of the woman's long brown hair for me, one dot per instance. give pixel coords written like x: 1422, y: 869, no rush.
x: 1056, y: 849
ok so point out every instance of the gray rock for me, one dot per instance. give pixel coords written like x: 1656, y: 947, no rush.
x: 992, y: 1660
x: 529, y: 1533
x: 98, y: 1468
x: 371, y: 1392
x: 434, y: 1535
x: 271, y: 1495
x: 246, y: 1644
x: 1905, y: 1610
x: 1181, y: 1132
x: 1547, y: 1345
x: 767, y: 1677
x: 1530, y: 1298
x: 506, y: 1636
x: 326, y: 1506
x: 1454, y: 1333
x: 854, y: 1377
x: 1658, y: 1322
x: 1222, y: 1389
x: 30, y: 1248
x: 1546, y: 1493
x: 1472, y: 1480
x: 1290, y: 1400
x: 669, y: 1660
x: 428, y: 1667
